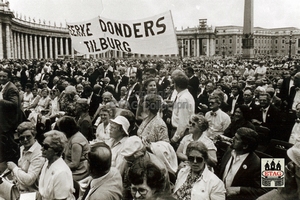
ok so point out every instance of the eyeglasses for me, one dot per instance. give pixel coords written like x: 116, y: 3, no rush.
x: 27, y: 137
x: 142, y: 191
x: 195, y: 158
x: 46, y: 146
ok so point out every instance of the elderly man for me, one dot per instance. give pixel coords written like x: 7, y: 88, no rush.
x: 183, y: 107
x: 240, y: 167
x: 269, y: 116
x: 106, y: 182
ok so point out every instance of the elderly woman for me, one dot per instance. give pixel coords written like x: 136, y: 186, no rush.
x: 153, y: 128
x: 76, y: 147
x: 148, y: 88
x: 102, y: 131
x: 195, y: 181
x: 68, y: 100
x: 31, y: 160
x: 44, y: 101
x: 83, y: 118
x: 197, y: 127
x: 27, y: 97
x: 118, y: 136
x: 147, y: 179
x: 107, y: 98
x: 134, y: 150
x: 56, y: 180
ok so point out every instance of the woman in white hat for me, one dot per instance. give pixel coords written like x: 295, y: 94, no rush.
x: 118, y: 136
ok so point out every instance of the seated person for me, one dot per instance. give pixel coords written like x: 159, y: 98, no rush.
x: 147, y: 179
x: 195, y: 181
x: 31, y: 160
x: 105, y: 182
x: 197, y: 129
x: 240, y: 167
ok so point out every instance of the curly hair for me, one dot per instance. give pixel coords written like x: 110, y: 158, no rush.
x: 58, y: 141
x: 24, y: 126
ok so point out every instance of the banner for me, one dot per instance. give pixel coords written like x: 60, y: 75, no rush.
x: 154, y: 35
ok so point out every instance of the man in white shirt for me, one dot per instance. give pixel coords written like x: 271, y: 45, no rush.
x: 183, y: 107
x: 260, y: 71
x: 217, y: 119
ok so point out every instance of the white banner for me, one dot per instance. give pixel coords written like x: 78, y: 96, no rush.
x: 154, y: 35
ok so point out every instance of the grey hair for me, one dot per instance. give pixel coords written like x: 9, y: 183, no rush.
x: 24, y: 126
x: 58, y: 140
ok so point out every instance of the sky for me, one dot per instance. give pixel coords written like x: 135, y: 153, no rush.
x: 185, y: 13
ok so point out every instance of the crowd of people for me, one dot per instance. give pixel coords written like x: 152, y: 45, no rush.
x: 147, y: 128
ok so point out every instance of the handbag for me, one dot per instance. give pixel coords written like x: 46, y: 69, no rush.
x: 8, y: 190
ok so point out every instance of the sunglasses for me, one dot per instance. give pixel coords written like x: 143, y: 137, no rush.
x: 27, y: 137
x: 192, y: 123
x: 195, y: 158
x: 46, y: 146
x: 142, y: 191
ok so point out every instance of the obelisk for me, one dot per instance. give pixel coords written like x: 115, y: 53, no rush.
x: 248, y: 39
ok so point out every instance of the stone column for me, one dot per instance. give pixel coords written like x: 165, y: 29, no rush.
x: 50, y: 48
x: 19, y: 45
x: 61, y: 47
x: 195, y: 47
x: 36, y: 56
x: 212, y: 47
x: 55, y: 48
x: 30, y: 47
x: 72, y: 50
x: 8, y: 41
x: 26, y: 46
x: 67, y: 47
x: 40, y: 47
x: 198, y: 48
x: 46, y: 47
x: 22, y: 46
x: 182, y: 48
x: 15, y: 45
x: 1, y: 43
x: 189, y: 48
x: 248, y: 36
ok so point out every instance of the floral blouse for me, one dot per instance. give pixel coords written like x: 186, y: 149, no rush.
x: 185, y: 191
